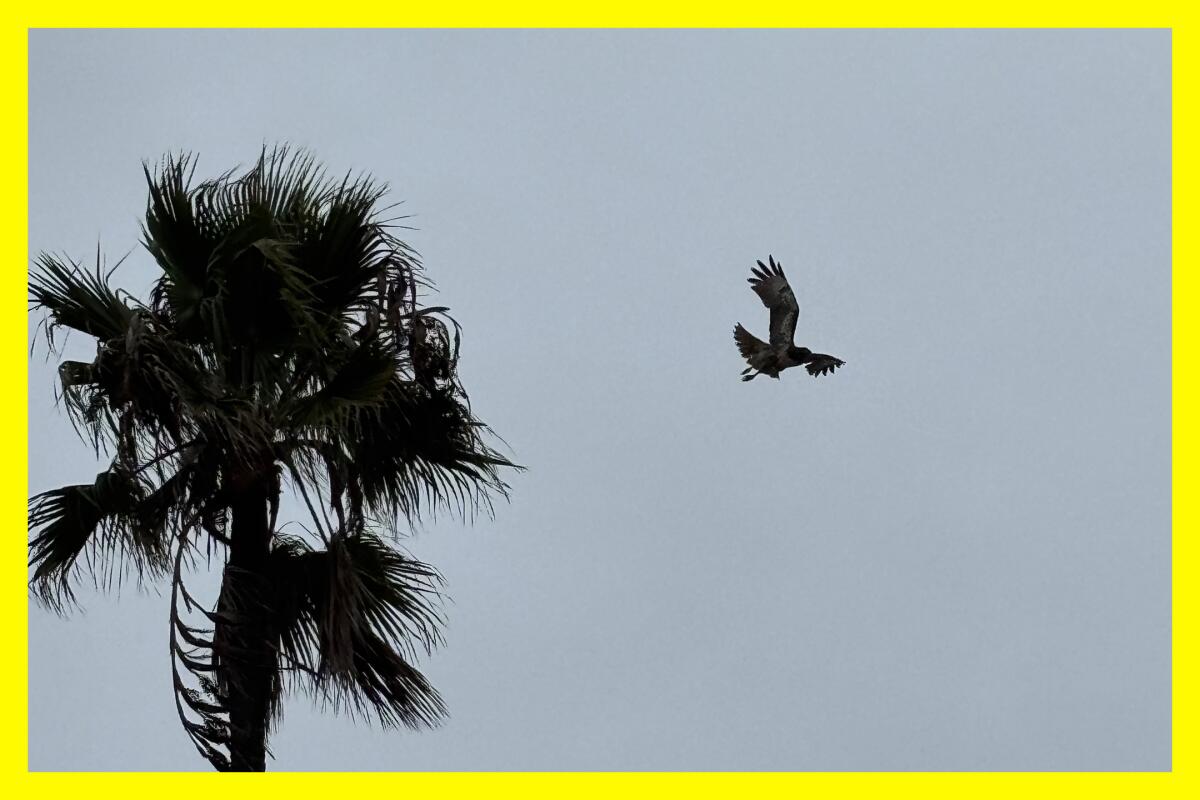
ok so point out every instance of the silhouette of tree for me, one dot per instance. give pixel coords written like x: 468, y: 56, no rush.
x: 283, y: 346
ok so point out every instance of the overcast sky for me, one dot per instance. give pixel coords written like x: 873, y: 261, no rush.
x: 953, y: 554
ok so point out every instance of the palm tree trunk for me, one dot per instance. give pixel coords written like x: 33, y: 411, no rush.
x: 248, y: 665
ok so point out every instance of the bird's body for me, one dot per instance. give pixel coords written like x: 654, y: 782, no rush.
x: 772, y: 357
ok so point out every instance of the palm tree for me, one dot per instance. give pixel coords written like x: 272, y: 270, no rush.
x: 283, y: 346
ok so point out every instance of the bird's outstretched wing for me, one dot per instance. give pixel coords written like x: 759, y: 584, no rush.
x: 758, y: 354
x: 771, y: 286
x: 822, y: 364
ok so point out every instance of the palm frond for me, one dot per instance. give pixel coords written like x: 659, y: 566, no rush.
x: 202, y: 707
x: 351, y: 618
x: 422, y: 447
x: 359, y: 381
x: 178, y: 240
x: 77, y: 299
x: 147, y: 392
x: 97, y: 522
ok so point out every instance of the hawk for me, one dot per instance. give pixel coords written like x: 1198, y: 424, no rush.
x: 764, y: 358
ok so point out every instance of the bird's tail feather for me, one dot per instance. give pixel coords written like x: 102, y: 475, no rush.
x: 822, y: 364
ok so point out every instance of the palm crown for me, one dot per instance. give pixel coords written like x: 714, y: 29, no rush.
x: 283, y: 345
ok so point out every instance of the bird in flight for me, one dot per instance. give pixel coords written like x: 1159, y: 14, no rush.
x: 771, y: 358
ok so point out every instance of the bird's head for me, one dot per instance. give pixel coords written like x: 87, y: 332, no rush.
x: 801, y: 354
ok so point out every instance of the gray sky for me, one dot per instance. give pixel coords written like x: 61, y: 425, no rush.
x: 954, y: 554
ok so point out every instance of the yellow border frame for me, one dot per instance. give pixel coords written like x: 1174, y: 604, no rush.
x: 616, y: 13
